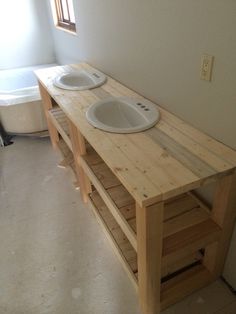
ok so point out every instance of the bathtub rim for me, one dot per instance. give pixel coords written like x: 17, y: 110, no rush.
x: 18, y: 96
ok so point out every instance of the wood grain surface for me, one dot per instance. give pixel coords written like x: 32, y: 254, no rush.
x: 154, y: 165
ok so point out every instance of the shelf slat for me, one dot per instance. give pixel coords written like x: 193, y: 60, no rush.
x: 129, y: 232
x: 117, y: 238
x: 184, y: 284
x: 190, y: 259
x: 191, y: 238
x: 67, y: 155
x: 59, y: 120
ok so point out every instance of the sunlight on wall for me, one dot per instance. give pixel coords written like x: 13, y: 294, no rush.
x: 53, y: 11
x: 16, y: 27
x: 16, y: 18
x: 23, y: 34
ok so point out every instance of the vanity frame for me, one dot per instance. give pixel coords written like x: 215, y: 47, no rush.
x: 169, y: 241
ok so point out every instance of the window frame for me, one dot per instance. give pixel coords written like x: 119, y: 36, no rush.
x: 61, y: 20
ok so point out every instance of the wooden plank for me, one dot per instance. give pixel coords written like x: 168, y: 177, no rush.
x: 114, y: 244
x: 120, y: 196
x: 59, y: 126
x: 181, y: 154
x: 117, y: 233
x: 170, y: 173
x: 133, y: 224
x: 170, y: 268
x: 179, y: 205
x: 199, y: 201
x: 78, y: 147
x: 192, y: 238
x: 92, y: 157
x: 224, y: 214
x: 226, y: 153
x: 106, y: 195
x: 191, y: 146
x: 47, y: 104
x: 68, y: 158
x: 180, y: 286
x: 184, y: 221
x: 67, y: 161
x: 105, y: 176
x: 149, y: 236
x: 228, y: 309
x: 128, y: 211
x: 178, y: 223
x: 179, y: 214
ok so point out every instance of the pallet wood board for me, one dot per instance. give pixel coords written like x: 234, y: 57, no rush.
x: 184, y: 284
x: 117, y: 238
x: 131, y: 256
x: 180, y: 278
x: 59, y: 120
x: 68, y: 158
x: 114, y: 197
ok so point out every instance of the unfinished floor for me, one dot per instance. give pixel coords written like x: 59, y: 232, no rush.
x: 54, y: 258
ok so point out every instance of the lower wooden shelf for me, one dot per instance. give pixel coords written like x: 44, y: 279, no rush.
x: 121, y: 245
x: 117, y: 199
x: 184, y: 284
x: 184, y: 270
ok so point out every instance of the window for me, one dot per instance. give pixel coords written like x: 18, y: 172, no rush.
x: 65, y: 14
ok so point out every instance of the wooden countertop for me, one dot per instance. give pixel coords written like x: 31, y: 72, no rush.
x: 164, y: 161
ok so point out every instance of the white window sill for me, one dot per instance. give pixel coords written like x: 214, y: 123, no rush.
x: 74, y: 33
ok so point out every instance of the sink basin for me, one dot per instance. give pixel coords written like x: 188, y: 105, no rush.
x: 79, y: 80
x: 123, y: 115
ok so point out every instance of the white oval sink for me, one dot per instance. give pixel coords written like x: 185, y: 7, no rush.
x: 123, y: 115
x: 79, y: 80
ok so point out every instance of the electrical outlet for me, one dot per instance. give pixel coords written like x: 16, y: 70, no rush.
x: 206, y: 67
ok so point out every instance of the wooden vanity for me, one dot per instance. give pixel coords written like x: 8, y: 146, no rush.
x: 141, y: 188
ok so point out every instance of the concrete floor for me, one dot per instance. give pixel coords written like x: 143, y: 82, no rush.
x: 54, y: 257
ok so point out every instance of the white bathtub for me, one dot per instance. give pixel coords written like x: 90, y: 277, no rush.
x: 21, y: 108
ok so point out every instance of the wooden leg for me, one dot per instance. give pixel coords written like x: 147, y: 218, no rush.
x: 149, y: 237
x: 47, y: 104
x: 223, y: 213
x: 79, y: 149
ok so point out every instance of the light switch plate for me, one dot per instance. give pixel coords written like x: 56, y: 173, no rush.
x: 206, y: 67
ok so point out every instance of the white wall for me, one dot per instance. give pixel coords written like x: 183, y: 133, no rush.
x: 25, y: 35
x: 155, y: 47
